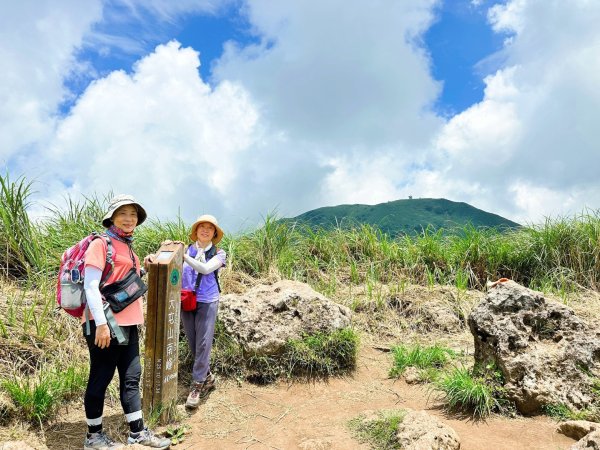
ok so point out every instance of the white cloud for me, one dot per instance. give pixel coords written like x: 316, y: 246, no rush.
x: 332, y: 106
x: 532, y: 141
x: 348, y: 90
x: 159, y: 132
x: 338, y: 72
x: 37, y: 41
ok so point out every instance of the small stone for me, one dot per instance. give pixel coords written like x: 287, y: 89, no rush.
x: 576, y: 429
x: 411, y: 375
x: 420, y: 431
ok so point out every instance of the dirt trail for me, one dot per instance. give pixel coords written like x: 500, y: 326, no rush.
x: 314, y: 415
x: 307, y: 416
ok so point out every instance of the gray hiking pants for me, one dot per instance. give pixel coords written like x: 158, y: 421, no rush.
x: 199, y: 327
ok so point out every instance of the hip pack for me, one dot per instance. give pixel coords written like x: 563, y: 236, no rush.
x: 120, y: 294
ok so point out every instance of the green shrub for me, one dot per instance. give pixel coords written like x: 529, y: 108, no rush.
x: 379, y: 432
x: 316, y: 355
x: 35, y: 399
x: 471, y: 391
x: 560, y: 412
x: 322, y: 354
x: 429, y: 375
x: 420, y: 357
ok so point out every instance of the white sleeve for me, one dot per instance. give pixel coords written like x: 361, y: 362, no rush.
x: 91, y: 284
x: 203, y: 268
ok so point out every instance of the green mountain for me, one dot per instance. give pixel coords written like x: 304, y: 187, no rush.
x: 404, y: 216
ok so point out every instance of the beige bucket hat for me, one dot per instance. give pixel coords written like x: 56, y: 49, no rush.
x: 122, y: 200
x: 209, y: 219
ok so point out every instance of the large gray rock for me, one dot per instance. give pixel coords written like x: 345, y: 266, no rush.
x: 589, y: 442
x: 547, y: 354
x: 267, y: 316
x: 420, y: 431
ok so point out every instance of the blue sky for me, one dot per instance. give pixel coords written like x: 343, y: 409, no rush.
x: 241, y: 107
x: 459, y: 41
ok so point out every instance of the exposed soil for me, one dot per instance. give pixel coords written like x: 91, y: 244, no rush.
x: 310, y: 415
x: 315, y: 415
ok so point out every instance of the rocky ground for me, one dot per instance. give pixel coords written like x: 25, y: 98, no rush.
x: 314, y: 415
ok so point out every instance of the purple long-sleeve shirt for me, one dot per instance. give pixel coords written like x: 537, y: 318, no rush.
x: 208, y: 290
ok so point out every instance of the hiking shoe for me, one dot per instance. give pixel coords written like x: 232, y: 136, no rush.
x: 100, y: 440
x: 148, y: 439
x: 200, y: 390
x: 194, y: 397
x: 208, y: 385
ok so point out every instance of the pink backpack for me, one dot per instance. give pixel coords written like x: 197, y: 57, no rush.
x: 70, y: 294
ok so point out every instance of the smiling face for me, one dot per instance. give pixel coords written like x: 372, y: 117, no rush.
x: 205, y: 232
x: 125, y: 218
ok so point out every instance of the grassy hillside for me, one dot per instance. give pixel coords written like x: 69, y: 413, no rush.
x: 409, y: 216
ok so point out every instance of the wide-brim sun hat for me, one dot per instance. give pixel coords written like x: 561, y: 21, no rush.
x: 207, y: 218
x: 122, y: 200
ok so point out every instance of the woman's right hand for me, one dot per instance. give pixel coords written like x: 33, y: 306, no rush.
x: 169, y: 241
x: 102, y: 336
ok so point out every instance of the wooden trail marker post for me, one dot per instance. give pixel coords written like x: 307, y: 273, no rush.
x: 162, y: 332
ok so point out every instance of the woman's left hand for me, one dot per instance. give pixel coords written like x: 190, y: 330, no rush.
x: 148, y: 260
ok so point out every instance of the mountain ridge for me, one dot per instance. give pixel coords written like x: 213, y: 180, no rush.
x: 404, y: 216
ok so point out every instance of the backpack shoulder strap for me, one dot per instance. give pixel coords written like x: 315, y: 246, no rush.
x: 110, y: 252
x: 214, y: 251
x: 210, y: 254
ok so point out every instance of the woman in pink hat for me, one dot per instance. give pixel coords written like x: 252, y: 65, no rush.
x: 200, y: 276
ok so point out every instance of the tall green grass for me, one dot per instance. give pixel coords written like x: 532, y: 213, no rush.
x: 561, y: 254
x: 478, y: 391
x: 39, y: 396
x: 420, y: 357
x: 19, y: 251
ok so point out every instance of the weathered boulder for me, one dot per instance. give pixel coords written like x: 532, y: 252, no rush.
x: 588, y: 442
x: 265, y: 317
x: 420, y: 431
x: 576, y: 429
x: 546, y: 354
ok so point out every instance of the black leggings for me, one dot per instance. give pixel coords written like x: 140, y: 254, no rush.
x: 103, y: 362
